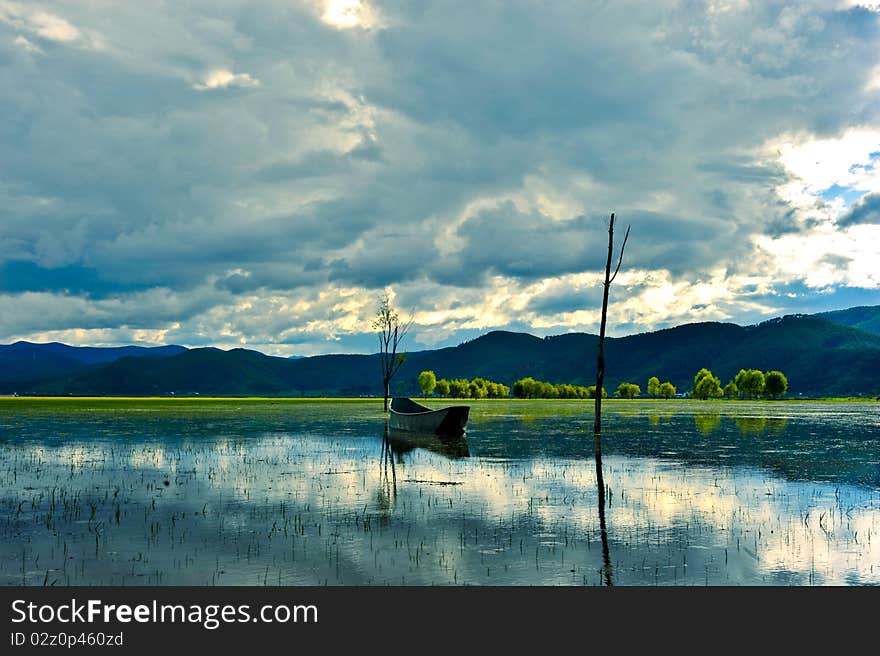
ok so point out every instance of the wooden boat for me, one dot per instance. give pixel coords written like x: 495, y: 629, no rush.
x: 408, y: 415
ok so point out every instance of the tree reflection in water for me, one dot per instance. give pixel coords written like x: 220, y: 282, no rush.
x: 387, y: 485
x: 600, y: 487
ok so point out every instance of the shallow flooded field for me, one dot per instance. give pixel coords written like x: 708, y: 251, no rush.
x: 230, y: 492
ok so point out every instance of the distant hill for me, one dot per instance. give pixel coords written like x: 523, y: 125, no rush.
x: 24, y: 361
x: 819, y: 357
x: 865, y: 317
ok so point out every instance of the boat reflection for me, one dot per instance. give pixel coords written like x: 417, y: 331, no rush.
x: 395, y: 444
x: 403, y: 442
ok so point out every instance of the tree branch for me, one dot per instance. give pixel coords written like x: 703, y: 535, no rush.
x: 620, y: 259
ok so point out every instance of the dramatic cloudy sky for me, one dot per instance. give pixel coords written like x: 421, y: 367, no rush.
x: 254, y: 172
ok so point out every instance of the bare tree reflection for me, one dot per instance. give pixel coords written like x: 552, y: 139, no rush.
x: 600, y: 485
x: 387, y: 485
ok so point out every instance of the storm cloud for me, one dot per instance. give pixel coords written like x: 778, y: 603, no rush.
x: 255, y: 173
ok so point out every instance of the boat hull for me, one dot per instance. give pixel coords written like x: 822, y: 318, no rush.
x: 407, y: 415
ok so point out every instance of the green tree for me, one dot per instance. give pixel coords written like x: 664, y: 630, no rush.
x: 443, y: 387
x: 458, y: 388
x: 775, y: 384
x: 480, y: 382
x: 667, y: 390
x: 591, y: 392
x: 741, y: 381
x: 750, y: 382
x: 427, y: 382
x: 706, y: 385
x: 654, y: 386
x: 547, y: 391
x: 731, y: 391
x: 628, y: 391
x: 476, y: 391
x: 527, y: 388
x: 702, y: 373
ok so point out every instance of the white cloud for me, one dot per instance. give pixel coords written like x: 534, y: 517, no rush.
x: 221, y: 78
x: 44, y: 25
x: 825, y: 256
x: 822, y: 254
x: 347, y: 14
x: 816, y: 164
x: 52, y: 27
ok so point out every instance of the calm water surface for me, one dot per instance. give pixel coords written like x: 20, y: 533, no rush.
x: 247, y: 492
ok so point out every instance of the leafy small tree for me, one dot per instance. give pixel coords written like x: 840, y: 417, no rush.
x: 702, y: 373
x: 628, y: 391
x: 427, y: 382
x: 458, y: 388
x: 442, y: 387
x: 775, y: 384
x: 654, y: 386
x: 476, y: 391
x: 750, y: 382
x: 526, y: 388
x: 667, y: 390
x: 756, y: 382
x: 731, y: 391
x: 706, y: 385
x: 741, y: 382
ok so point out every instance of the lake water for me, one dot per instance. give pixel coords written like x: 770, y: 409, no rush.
x: 289, y: 493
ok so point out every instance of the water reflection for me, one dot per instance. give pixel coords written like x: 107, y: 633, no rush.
x: 707, y: 422
x: 403, y: 442
x: 387, y: 486
x: 600, y: 499
x: 301, y: 498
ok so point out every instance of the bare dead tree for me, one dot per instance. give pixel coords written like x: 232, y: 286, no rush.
x: 600, y: 379
x: 600, y: 362
x: 391, y: 333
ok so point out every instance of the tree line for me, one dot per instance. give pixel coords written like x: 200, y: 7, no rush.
x: 665, y: 390
x: 462, y: 388
x: 481, y: 388
x: 529, y: 388
x: 747, y: 384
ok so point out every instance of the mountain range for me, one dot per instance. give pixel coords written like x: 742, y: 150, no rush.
x: 829, y: 354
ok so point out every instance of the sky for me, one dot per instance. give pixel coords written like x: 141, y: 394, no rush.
x: 255, y: 173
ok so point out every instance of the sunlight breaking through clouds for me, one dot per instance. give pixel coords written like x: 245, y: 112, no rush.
x: 827, y: 177
x: 347, y: 14
x: 816, y: 165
